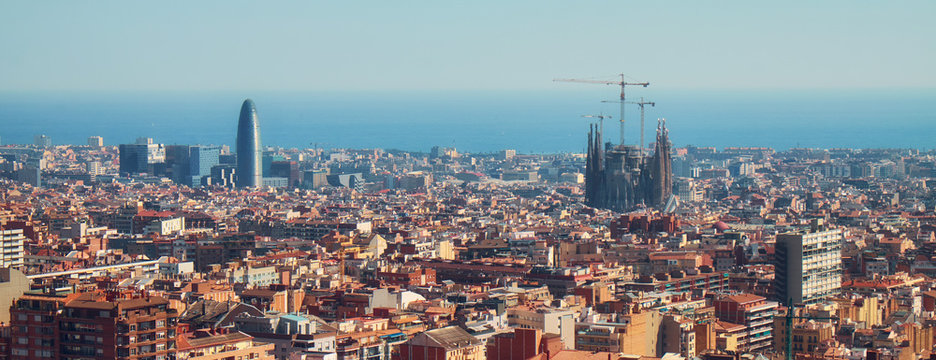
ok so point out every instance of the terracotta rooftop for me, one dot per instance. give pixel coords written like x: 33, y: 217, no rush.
x: 745, y: 298
x: 194, y: 343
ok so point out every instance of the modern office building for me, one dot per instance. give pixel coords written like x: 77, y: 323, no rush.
x: 223, y: 175
x: 353, y: 181
x: 42, y: 140
x: 288, y: 170
x: 191, y: 165
x: 142, y: 157
x: 249, y: 170
x: 808, y: 264
x: 267, y: 162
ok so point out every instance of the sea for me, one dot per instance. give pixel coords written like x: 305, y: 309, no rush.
x: 529, y: 121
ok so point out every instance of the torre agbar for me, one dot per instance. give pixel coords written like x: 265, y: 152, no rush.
x: 248, y: 146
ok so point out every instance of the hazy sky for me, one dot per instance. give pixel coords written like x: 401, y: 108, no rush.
x: 386, y: 45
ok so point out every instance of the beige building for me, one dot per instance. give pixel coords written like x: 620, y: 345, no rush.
x: 12, y: 285
x: 632, y: 334
x: 867, y: 310
x: 808, y: 336
x: 728, y: 335
x: 549, y: 320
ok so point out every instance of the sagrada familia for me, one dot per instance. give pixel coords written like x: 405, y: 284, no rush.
x: 621, y: 178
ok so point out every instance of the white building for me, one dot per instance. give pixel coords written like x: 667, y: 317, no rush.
x: 689, y: 191
x: 171, y: 226
x: 550, y: 320
x: 255, y: 276
x: 177, y: 268
x: 397, y: 299
x: 11, y: 248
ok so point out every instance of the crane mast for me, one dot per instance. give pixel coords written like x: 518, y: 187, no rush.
x: 623, y: 84
x: 641, y: 103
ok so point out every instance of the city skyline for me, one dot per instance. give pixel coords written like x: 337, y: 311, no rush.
x: 467, y: 181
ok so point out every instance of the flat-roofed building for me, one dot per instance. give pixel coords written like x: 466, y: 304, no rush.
x: 808, y: 264
x: 11, y: 248
x: 755, y: 313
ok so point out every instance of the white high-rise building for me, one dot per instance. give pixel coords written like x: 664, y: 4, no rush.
x: 11, y: 248
x: 94, y: 168
x: 808, y: 264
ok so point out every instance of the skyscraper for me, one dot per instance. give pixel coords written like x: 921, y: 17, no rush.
x: 808, y: 264
x: 142, y: 157
x: 191, y: 165
x: 249, y: 171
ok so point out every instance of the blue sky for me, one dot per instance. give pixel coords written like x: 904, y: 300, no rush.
x: 474, y: 45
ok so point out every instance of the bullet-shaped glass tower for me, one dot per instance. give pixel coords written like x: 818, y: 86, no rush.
x: 249, y: 170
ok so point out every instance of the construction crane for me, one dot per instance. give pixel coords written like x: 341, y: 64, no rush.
x: 623, y: 84
x: 600, y: 120
x: 789, y: 327
x: 641, y: 103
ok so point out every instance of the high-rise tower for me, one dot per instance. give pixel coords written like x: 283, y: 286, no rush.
x: 808, y: 264
x: 249, y: 171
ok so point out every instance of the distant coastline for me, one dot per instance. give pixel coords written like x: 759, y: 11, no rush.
x: 479, y: 121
